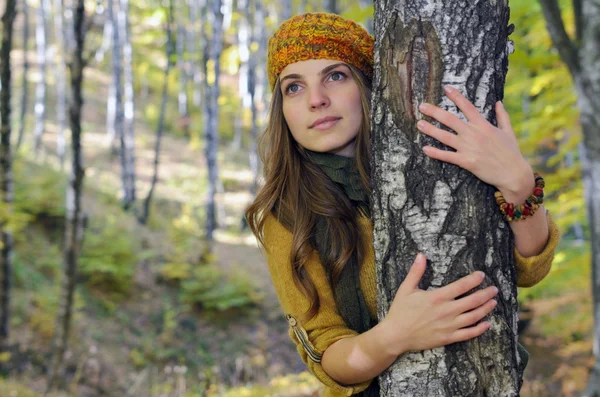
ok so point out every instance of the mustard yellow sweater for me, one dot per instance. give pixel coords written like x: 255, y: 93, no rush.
x: 315, y: 336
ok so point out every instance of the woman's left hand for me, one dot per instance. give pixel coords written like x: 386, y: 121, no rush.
x: 491, y: 153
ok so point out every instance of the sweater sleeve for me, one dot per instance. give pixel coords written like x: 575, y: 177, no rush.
x: 533, y: 269
x: 313, y: 337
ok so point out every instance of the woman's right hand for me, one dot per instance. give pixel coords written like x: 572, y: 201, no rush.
x: 422, y: 320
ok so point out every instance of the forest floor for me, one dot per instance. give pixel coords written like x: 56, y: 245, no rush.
x: 117, y: 348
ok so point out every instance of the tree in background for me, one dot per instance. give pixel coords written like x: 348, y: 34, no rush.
x: 211, y: 131
x: 422, y: 205
x: 6, y: 176
x: 75, y: 217
x: 41, y: 41
x: 163, y: 110
x: 25, y: 95
x: 581, y: 54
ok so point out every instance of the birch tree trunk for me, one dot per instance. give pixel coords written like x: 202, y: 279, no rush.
x: 127, y: 136
x: 161, y: 118
x: 75, y: 218
x: 183, y: 66
x: 331, y: 6
x: 212, y: 131
x: 582, y: 56
x: 243, y: 41
x: 40, y: 92
x: 6, y: 176
x: 24, y: 83
x: 114, y: 114
x: 424, y: 205
x: 286, y: 9
x: 61, y: 79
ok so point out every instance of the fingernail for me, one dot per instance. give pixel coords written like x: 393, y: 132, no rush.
x: 448, y: 89
x: 480, y: 274
x: 423, y: 106
x: 495, y: 302
x: 421, y: 124
x: 495, y: 289
x: 501, y: 104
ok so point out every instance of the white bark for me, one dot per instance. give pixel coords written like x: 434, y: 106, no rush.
x: 40, y: 92
x: 61, y: 79
x: 423, y: 205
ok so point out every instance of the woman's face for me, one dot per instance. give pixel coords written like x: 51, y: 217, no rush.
x: 322, y: 105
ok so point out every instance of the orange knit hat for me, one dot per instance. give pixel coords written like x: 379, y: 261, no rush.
x: 319, y: 36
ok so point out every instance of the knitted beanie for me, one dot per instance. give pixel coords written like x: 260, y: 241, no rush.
x: 319, y: 36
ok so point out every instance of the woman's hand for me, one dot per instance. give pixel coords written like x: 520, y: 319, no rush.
x: 421, y: 320
x: 491, y: 153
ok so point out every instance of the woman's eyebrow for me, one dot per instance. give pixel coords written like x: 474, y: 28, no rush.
x: 322, y: 72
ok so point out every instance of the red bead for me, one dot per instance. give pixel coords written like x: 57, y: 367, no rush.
x: 526, y: 211
x: 538, y: 191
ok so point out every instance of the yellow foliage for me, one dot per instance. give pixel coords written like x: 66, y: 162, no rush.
x: 5, y: 357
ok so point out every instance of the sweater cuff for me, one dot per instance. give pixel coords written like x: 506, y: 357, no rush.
x: 533, y: 269
x: 314, y: 366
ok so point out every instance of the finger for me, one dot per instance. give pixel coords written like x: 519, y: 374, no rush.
x: 474, y: 300
x: 449, y: 156
x: 445, y: 137
x: 464, y: 334
x: 465, y: 106
x: 411, y: 282
x: 503, y: 118
x: 470, y: 318
x: 443, y: 116
x: 461, y: 286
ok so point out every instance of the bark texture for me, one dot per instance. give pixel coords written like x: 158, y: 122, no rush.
x: 582, y: 57
x: 74, y: 226
x: 161, y: 118
x: 6, y: 177
x: 424, y: 205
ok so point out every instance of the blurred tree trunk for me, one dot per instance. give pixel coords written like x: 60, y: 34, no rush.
x: 581, y: 54
x: 41, y: 42
x: 75, y: 217
x: 161, y: 118
x: 211, y: 132
x: 244, y: 40
x: 114, y: 111
x: 6, y: 175
x: 369, y: 21
x: 425, y: 205
x: 183, y: 67
x: 61, y: 79
x: 286, y: 9
x: 332, y: 6
x: 24, y: 83
x: 197, y: 20
x: 127, y: 136
x: 258, y: 35
x: 106, y: 37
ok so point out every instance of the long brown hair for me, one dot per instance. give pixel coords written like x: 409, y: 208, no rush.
x: 296, y: 192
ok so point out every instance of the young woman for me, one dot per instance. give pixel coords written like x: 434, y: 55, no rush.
x: 312, y: 214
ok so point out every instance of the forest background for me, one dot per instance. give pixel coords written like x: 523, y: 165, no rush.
x: 173, y: 297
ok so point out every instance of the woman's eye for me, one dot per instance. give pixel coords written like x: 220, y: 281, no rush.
x: 337, y: 76
x: 292, y: 88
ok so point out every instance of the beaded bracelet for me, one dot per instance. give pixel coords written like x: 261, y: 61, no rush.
x: 528, y: 208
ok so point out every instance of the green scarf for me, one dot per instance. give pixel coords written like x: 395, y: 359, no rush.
x: 349, y: 297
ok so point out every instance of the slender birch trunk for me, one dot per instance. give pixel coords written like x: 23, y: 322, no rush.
x: 6, y: 175
x: 114, y: 112
x: 75, y: 217
x: 61, y: 80
x: 212, y: 131
x: 424, y: 205
x: 24, y: 83
x: 161, y: 117
x: 127, y: 136
x: 40, y: 92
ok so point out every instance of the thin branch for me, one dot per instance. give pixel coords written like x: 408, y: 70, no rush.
x: 567, y: 49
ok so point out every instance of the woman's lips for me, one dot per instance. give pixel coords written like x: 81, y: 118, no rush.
x: 326, y: 125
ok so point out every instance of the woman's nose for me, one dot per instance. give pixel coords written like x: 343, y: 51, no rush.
x: 318, y: 99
